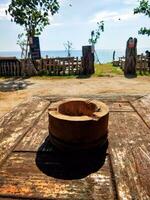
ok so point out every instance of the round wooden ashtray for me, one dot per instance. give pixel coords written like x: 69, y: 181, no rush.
x: 77, y: 124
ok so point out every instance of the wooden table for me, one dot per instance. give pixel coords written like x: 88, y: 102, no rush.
x: 31, y: 168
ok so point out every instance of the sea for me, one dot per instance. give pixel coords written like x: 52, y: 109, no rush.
x: 102, y: 55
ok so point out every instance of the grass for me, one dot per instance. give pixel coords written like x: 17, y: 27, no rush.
x: 101, y: 70
x: 107, y: 70
x: 143, y: 74
x: 47, y: 77
x: 2, y: 78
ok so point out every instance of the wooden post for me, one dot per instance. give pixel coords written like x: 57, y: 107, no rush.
x: 64, y: 67
x: 144, y: 62
x: 0, y: 68
x: 72, y: 66
x: 69, y: 66
x: 57, y: 67
x: 88, y: 59
x: 131, y: 54
x: 77, y: 66
x: 48, y: 67
x: 141, y: 64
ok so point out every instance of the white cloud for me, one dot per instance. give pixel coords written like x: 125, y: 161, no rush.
x: 61, y: 2
x: 104, y: 15
x: 53, y: 21
x: 126, y: 16
x: 3, y: 15
x: 113, y: 16
x: 130, y: 2
x: 56, y: 24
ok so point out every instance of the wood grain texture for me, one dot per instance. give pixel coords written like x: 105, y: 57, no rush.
x: 20, y: 120
x: 125, y: 174
x: 20, y: 177
x: 119, y: 106
x: 118, y: 98
x: 35, y: 136
x: 113, y: 105
x: 129, y: 147
x: 142, y: 106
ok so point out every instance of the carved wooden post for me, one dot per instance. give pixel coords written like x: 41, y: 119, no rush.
x: 88, y: 59
x: 131, y: 54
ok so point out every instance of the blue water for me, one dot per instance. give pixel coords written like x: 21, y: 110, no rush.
x: 104, y: 56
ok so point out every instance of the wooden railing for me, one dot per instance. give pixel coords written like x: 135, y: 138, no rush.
x: 10, y: 66
x: 142, y: 64
x: 59, y: 66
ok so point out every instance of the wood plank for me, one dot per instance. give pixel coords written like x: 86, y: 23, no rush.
x: 22, y: 109
x: 119, y: 106
x: 129, y: 148
x: 38, y: 133
x: 35, y: 136
x: 18, y: 198
x: 20, y: 177
x: 105, y: 98
x: 18, y: 124
x: 9, y: 198
x: 142, y: 106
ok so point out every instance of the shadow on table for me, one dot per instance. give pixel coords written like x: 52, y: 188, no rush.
x: 70, y: 165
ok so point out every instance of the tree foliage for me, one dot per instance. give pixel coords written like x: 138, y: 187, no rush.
x: 22, y: 42
x: 143, y: 8
x: 33, y: 15
x: 95, y: 35
x: 68, y: 47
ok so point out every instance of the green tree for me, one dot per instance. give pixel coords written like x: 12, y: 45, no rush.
x: 95, y: 35
x: 33, y: 15
x: 143, y: 8
x: 68, y: 47
x: 22, y: 42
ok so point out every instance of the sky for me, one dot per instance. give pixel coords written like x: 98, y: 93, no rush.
x: 75, y: 21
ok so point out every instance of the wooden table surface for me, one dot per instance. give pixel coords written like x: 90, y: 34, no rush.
x: 31, y: 168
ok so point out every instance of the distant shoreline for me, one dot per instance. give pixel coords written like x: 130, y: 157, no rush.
x: 104, y: 55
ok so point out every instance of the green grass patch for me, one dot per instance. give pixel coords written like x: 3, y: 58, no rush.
x: 107, y: 70
x: 143, y: 73
x: 101, y: 70
x: 47, y: 77
x: 3, y: 77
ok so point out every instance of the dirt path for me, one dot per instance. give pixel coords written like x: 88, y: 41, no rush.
x: 13, y: 92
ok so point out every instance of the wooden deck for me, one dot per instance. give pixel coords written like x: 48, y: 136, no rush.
x: 31, y: 168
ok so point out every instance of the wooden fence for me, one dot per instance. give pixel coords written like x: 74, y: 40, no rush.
x: 142, y: 64
x: 10, y: 66
x: 59, y: 66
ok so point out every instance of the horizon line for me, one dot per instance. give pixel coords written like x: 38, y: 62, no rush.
x: 73, y: 49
